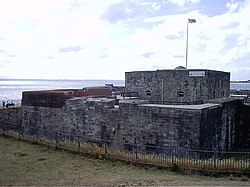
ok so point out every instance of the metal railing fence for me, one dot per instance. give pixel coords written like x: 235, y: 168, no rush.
x: 178, y: 158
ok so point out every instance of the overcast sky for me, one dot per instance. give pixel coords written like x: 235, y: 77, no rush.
x: 102, y: 39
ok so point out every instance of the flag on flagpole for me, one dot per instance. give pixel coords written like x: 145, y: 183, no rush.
x: 191, y: 20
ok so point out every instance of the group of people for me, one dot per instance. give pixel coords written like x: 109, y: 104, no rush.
x: 8, y: 104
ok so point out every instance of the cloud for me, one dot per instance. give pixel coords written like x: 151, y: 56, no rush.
x: 75, y: 4
x: 155, y: 19
x: 179, y: 56
x: 70, y: 49
x: 12, y: 55
x: 156, y: 6
x: 6, y: 61
x: 232, y: 6
x: 102, y: 56
x: 178, y: 35
x: 148, y: 54
x: 49, y: 57
x: 232, y: 25
x: 136, y: 34
x: 241, y: 72
x: 121, y: 11
x: 182, y: 3
x: 153, y: 5
x: 201, y: 47
x: 231, y: 40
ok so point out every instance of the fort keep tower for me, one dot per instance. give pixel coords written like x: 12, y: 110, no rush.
x: 178, y: 86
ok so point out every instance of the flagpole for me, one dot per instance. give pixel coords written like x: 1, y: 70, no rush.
x: 188, y: 21
x: 187, y: 44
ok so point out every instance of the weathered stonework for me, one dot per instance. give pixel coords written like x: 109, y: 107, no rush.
x: 10, y: 116
x: 220, y: 125
x: 178, y: 86
x: 243, y: 132
x: 190, y: 126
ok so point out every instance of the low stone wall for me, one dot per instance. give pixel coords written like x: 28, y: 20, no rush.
x: 10, y: 116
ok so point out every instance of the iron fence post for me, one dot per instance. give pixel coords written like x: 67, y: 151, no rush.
x: 105, y: 147
x: 3, y: 130
x: 56, y: 138
x: 19, y: 132
x: 136, y: 151
x: 215, y: 158
x: 172, y: 155
x: 37, y: 136
x: 79, y: 144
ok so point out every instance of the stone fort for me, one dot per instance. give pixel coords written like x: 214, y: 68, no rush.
x: 188, y: 108
x: 179, y: 86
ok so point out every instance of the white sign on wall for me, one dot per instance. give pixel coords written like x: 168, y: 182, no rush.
x: 197, y: 73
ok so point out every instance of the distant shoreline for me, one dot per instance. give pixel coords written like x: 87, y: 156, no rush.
x: 2, y: 79
x: 240, y: 81
x: 62, y: 79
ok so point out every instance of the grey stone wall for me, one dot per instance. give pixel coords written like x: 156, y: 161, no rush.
x: 220, y: 126
x: 243, y: 138
x: 178, y: 86
x: 205, y: 126
x: 130, y: 121
x: 10, y: 116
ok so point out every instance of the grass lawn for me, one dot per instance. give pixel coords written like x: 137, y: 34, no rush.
x: 25, y: 164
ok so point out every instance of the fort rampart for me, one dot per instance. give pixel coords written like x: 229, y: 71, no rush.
x: 208, y: 126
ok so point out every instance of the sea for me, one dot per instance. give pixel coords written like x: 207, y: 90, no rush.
x: 11, y: 89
